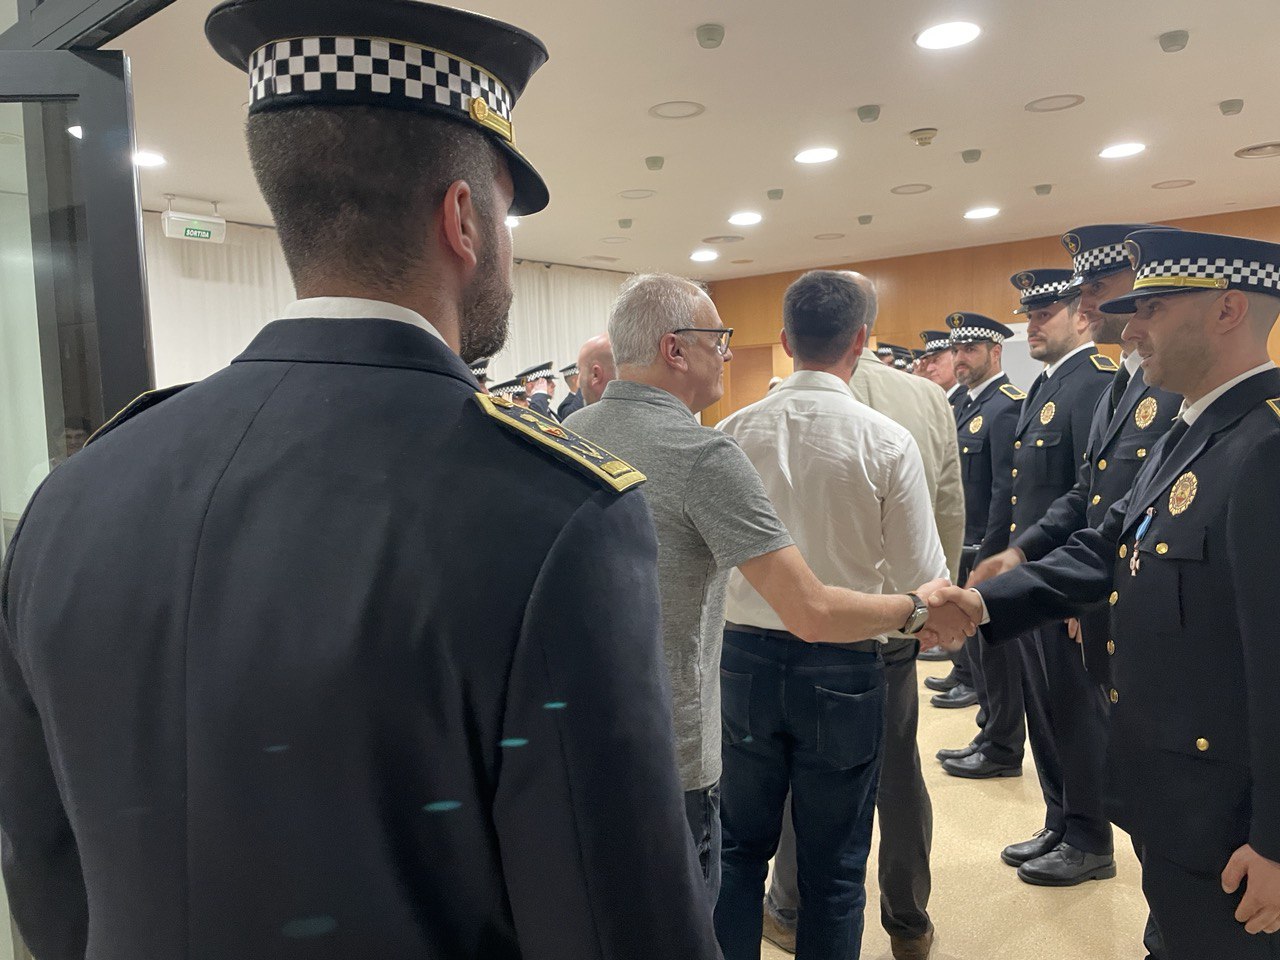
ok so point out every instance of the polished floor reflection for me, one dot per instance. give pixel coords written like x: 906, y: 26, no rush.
x: 981, y: 909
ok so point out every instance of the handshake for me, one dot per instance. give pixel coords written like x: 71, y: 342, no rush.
x: 954, y: 614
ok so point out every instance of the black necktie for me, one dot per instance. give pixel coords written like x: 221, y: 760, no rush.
x: 1118, y: 385
x: 1036, y: 384
x: 1176, y: 432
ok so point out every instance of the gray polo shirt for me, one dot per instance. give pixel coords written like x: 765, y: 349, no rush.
x: 712, y: 513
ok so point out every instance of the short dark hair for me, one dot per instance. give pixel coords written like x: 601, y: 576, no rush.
x: 353, y: 188
x: 823, y: 312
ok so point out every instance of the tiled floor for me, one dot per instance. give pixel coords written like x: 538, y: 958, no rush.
x: 982, y: 911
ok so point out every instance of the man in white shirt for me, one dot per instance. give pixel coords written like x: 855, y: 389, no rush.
x: 850, y: 486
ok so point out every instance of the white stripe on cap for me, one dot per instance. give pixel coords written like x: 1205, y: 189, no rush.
x: 1089, y: 261
x: 976, y: 333
x: 1252, y: 273
x: 1044, y: 288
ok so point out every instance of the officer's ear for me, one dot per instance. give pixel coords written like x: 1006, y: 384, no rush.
x: 460, y: 225
x: 1230, y: 310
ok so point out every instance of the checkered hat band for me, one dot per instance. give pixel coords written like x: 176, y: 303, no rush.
x: 931, y: 345
x: 1251, y: 273
x: 368, y: 66
x: 1041, y: 290
x: 976, y: 333
x: 1099, y: 258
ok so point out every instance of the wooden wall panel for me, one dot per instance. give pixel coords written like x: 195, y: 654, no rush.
x: 917, y: 292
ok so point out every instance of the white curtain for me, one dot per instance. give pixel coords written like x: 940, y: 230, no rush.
x: 208, y: 300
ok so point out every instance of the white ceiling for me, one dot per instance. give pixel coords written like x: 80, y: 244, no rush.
x: 790, y: 76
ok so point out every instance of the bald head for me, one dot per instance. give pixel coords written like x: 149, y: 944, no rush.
x: 869, y: 292
x: 595, y: 367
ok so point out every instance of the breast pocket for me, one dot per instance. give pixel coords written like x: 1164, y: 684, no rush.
x: 973, y: 457
x: 1051, y: 458
x: 1171, y: 565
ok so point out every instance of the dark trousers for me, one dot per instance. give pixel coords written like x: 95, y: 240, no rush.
x: 1002, y: 716
x: 1151, y: 938
x: 702, y: 807
x: 902, y: 803
x: 809, y: 718
x: 963, y: 667
x: 1196, y: 919
x: 1067, y: 724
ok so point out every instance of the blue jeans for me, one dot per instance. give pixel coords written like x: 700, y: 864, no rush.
x: 809, y: 718
x: 702, y: 807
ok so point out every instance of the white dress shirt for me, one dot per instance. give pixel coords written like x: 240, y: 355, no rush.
x: 353, y: 308
x: 1191, y: 412
x: 976, y: 392
x: 849, y: 485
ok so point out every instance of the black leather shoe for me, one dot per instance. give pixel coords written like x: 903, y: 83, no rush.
x: 1065, y: 866
x: 977, y: 766
x: 1016, y: 854
x: 961, y: 695
x: 942, y: 684
x: 933, y: 653
x: 947, y: 753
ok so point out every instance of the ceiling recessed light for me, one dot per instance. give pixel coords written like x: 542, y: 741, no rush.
x: 742, y: 261
x: 906, y: 189
x: 981, y: 213
x: 677, y: 110
x: 1118, y: 150
x: 817, y: 155
x: 828, y: 236
x: 513, y: 222
x: 1172, y: 184
x: 947, y: 35
x: 615, y: 239
x: 723, y: 238
x: 1260, y: 150
x: 745, y: 219
x: 638, y: 194
x: 704, y: 256
x: 147, y: 158
x: 77, y: 131
x: 1059, y: 101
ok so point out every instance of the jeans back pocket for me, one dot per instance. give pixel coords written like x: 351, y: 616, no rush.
x: 850, y: 726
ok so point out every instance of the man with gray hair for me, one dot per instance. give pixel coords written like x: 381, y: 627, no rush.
x: 852, y: 487
x: 712, y: 514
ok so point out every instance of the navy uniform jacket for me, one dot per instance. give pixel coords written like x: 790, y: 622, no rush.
x: 985, y: 436
x: 1053, y: 433
x: 570, y: 404
x: 1193, y: 769
x: 1118, y: 447
x: 541, y: 403
x: 265, y: 693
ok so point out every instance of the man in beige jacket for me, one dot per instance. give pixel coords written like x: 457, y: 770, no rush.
x: 906, y: 815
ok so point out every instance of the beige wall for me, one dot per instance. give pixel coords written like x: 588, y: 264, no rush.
x: 917, y: 292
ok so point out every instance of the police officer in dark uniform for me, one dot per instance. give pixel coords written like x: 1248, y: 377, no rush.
x: 573, y: 402
x: 539, y: 386
x: 985, y: 427
x: 263, y: 694
x: 1185, y: 562
x: 937, y: 342
x: 1066, y: 713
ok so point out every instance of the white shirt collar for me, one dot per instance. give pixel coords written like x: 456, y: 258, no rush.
x: 354, y: 308
x: 955, y: 388
x: 1192, y: 412
x: 976, y: 392
x: 814, y: 380
x: 1132, y: 361
x: 1053, y: 367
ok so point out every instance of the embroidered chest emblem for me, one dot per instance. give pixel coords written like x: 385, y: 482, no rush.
x: 1047, y: 412
x: 1183, y: 493
x: 975, y: 424
x: 1145, y: 415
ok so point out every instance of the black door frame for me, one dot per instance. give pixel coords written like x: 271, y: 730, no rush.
x: 74, y: 24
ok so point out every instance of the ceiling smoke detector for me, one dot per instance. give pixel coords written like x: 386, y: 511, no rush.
x: 869, y: 112
x: 1043, y: 189
x: 774, y: 194
x: 654, y: 163
x: 923, y: 136
x: 971, y: 156
x: 710, y: 35
x: 1175, y: 41
x: 864, y: 219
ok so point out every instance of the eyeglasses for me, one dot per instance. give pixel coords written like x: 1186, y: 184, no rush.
x: 723, y: 334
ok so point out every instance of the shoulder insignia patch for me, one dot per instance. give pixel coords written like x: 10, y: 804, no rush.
x: 1274, y: 404
x: 564, y: 443
x: 144, y: 402
x: 1104, y: 363
x: 1012, y: 392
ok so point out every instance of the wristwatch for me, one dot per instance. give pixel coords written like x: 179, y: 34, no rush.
x: 918, y: 616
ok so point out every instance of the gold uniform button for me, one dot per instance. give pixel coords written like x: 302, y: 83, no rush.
x: 1202, y: 744
x: 1014, y: 501
x: 966, y: 449
x: 1111, y: 647
x: 1013, y: 527
x: 1039, y: 443
x: 1115, y: 697
x: 1124, y: 550
x: 1017, y: 444
x: 1142, y: 452
x: 1102, y: 464
x: 1097, y: 499
x: 1162, y: 548
x: 1113, y: 598
x: 1015, y: 471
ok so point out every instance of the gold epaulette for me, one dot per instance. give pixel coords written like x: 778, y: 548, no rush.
x: 1274, y: 404
x: 1012, y: 392
x: 617, y: 474
x: 144, y: 402
x: 1104, y: 363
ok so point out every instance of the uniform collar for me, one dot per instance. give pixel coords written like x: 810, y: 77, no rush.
x: 981, y: 388
x: 355, y: 308
x: 814, y: 380
x: 1193, y: 411
x: 1054, y: 367
x: 1132, y: 361
x: 955, y: 389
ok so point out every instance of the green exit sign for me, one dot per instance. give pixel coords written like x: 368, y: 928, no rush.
x: 197, y: 233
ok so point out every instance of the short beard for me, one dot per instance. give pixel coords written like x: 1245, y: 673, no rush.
x: 1110, y: 329
x: 485, y: 308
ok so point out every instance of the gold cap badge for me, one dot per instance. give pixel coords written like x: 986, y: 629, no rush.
x: 1072, y: 243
